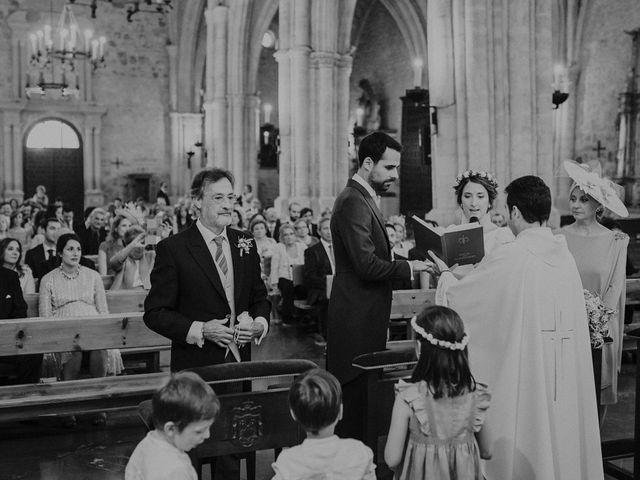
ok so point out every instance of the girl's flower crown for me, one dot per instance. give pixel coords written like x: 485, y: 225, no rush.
x: 461, y: 345
x: 469, y: 174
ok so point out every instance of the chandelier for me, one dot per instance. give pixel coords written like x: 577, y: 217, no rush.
x: 54, y: 54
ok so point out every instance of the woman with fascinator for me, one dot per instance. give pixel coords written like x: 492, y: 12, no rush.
x: 476, y: 192
x: 601, y: 256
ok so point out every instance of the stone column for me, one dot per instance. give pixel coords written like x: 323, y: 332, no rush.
x: 252, y: 127
x: 217, y: 58
x: 325, y: 133
x: 172, y: 51
x: 341, y: 170
x: 88, y: 82
x: 284, y: 124
x: 15, y: 66
x: 300, y: 95
x: 17, y: 158
x: 97, y: 162
x: 178, y: 157
x: 237, y: 159
x: 7, y: 161
x: 88, y: 160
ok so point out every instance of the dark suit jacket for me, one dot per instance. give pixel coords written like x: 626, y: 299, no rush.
x: 12, y: 304
x: 90, y: 239
x: 276, y: 230
x: 35, y: 258
x: 316, y: 268
x: 360, y: 302
x: 186, y: 287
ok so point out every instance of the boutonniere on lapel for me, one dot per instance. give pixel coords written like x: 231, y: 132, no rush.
x: 244, y: 245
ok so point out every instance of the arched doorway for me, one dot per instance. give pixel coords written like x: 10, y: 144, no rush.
x: 53, y: 158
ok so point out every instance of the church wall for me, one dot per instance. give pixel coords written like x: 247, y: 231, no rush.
x: 5, y: 54
x: 382, y: 58
x: 268, y: 83
x: 133, y: 86
x: 606, y: 59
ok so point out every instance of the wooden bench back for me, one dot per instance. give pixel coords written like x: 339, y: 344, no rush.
x: 407, y: 303
x: 118, y: 301
x: 41, y: 335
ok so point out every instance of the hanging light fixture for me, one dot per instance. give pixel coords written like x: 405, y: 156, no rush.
x: 54, y: 54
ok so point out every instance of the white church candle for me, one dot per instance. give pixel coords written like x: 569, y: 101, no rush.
x: 417, y: 72
x: 268, y: 108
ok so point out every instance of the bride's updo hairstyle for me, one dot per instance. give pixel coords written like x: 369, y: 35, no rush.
x: 485, y: 179
x: 444, y: 357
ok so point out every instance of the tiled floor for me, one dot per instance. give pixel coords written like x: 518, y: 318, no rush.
x: 46, y: 451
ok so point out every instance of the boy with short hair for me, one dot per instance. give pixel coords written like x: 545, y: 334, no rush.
x: 315, y: 402
x: 183, y: 411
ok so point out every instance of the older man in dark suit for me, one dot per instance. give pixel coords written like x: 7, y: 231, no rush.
x: 12, y: 305
x: 204, y: 281
x: 360, y: 303
x: 204, y: 278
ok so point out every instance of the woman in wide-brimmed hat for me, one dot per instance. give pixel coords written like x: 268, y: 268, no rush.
x: 601, y: 256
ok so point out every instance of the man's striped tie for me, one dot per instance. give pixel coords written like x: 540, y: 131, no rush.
x: 220, y: 258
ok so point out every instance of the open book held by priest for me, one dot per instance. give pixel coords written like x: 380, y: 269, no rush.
x: 456, y: 244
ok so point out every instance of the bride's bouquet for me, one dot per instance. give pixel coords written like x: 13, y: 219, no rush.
x: 599, y: 316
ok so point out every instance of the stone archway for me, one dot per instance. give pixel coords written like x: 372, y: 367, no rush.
x: 53, y: 157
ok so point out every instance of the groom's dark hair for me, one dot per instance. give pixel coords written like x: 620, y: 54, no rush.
x: 532, y: 197
x: 374, y: 145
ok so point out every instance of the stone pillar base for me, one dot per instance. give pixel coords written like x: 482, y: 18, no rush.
x: 93, y: 198
x: 17, y: 194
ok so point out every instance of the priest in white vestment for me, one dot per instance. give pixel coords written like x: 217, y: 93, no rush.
x: 524, y: 310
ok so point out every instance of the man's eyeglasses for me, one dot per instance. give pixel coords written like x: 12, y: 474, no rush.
x: 219, y: 198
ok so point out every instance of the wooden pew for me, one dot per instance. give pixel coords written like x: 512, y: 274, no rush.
x: 24, y: 336
x: 118, y: 301
x: 122, y: 301
x: 249, y: 421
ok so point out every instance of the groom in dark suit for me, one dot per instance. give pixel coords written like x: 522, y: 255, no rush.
x: 360, y: 303
x: 205, y: 277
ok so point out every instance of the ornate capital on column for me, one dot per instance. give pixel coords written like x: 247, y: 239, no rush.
x: 299, y: 51
x: 324, y: 59
x: 345, y: 61
x: 281, y: 56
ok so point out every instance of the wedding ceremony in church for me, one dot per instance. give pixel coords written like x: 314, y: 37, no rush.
x: 319, y: 239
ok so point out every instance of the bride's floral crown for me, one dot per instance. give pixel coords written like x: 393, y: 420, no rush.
x: 461, y: 345
x: 469, y: 174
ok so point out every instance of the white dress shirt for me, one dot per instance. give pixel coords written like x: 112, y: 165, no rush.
x: 329, y: 249
x: 368, y: 188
